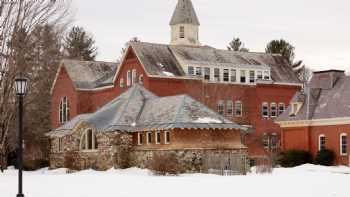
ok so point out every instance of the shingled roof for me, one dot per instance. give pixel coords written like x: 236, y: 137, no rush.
x: 139, y: 109
x: 160, y: 59
x: 322, y: 102
x: 90, y: 74
x: 184, y: 13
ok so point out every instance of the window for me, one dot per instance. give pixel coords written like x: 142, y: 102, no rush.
x: 281, y: 108
x: 190, y: 70
x: 233, y: 75
x: 134, y: 77
x: 128, y: 78
x: 273, y: 110
x: 207, y: 73
x: 294, y: 110
x: 229, y: 108
x: 182, y: 32
x: 157, y: 137
x: 252, y: 76
x: 64, y: 110
x: 243, y: 77
x: 198, y: 71
x: 265, y: 110
x: 226, y: 77
x: 221, y: 107
x: 121, y: 83
x: 140, y: 139
x: 270, y: 141
x: 88, y: 140
x: 141, y: 79
x: 321, y: 142
x: 343, y: 144
x: 60, y: 145
x: 259, y: 75
x: 167, y: 137
x: 238, y: 108
x: 266, y: 141
x: 274, y: 140
x: 216, y: 74
x: 149, y: 138
x: 266, y: 75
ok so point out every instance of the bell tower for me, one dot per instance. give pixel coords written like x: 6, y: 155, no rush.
x: 184, y: 25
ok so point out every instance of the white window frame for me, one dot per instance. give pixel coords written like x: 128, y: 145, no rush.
x: 206, y: 74
x: 341, y: 144
x: 128, y: 78
x: 165, y: 137
x: 157, y: 139
x: 265, y: 108
x: 217, y: 77
x: 279, y: 108
x: 199, y: 71
x: 259, y: 75
x: 252, y: 77
x: 233, y: 75
x: 221, y: 107
x: 64, y: 110
x: 226, y: 75
x: 243, y: 75
x: 140, y: 139
x: 229, y: 108
x: 191, y: 70
x: 121, y: 83
x: 241, y: 109
x: 134, y: 77
x: 319, y: 141
x: 267, y: 75
x: 149, y: 140
x: 273, y: 112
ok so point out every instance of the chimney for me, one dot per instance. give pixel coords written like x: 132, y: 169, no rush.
x: 326, y: 79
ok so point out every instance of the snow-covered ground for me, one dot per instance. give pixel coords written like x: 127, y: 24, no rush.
x: 306, y: 180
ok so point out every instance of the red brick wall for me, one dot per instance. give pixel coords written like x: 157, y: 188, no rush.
x: 63, y: 87
x: 307, y: 139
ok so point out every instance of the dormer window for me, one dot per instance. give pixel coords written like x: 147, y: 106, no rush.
x: 266, y: 75
x: 190, y: 70
x: 217, y: 74
x: 182, y: 32
x: 252, y: 76
x: 259, y: 75
x: 295, y: 107
x: 243, y: 76
x: 207, y: 73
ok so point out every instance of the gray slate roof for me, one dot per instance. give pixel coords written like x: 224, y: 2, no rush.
x: 184, y: 13
x: 324, y: 103
x: 139, y: 109
x: 158, y: 58
x: 90, y: 74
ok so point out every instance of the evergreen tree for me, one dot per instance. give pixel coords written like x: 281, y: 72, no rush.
x: 237, y: 45
x: 80, y: 45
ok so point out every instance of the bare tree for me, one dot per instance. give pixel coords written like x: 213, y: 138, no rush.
x: 18, y: 20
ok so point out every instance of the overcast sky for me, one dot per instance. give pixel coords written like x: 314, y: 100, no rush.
x: 319, y: 29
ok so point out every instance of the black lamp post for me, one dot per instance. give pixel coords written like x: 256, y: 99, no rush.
x: 21, y: 90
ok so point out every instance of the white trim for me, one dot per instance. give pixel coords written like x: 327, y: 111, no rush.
x: 276, y: 110
x: 341, y: 145
x: 147, y: 137
x: 265, y: 104
x: 139, y: 137
x: 241, y: 106
x: 315, y: 122
x: 319, y: 141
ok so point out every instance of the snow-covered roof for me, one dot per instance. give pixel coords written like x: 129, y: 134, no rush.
x: 90, y: 74
x: 139, y: 109
x: 161, y: 59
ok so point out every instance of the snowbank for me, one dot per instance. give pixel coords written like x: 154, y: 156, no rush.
x: 306, y: 180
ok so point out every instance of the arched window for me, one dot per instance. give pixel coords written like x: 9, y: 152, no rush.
x: 64, y: 110
x: 88, y: 140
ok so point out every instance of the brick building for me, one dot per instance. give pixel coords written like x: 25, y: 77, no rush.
x: 249, y: 88
x: 143, y: 125
x: 319, y: 117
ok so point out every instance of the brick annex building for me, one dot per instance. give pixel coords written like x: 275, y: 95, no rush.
x: 251, y: 89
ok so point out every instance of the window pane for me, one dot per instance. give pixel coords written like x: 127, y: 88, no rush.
x: 260, y: 75
x: 266, y: 75
x: 233, y: 75
x: 217, y: 74
x: 281, y: 108
x: 252, y: 76
x: 89, y: 139
x: 182, y: 32
x: 243, y: 76
x: 344, y: 144
x: 207, y: 73
x: 198, y: 71
x: 190, y: 70
x: 273, y: 110
x: 229, y: 107
x: 226, y: 75
x: 167, y: 137
x: 149, y: 138
x: 238, y: 108
x: 265, y: 110
x: 221, y: 107
x: 158, y: 137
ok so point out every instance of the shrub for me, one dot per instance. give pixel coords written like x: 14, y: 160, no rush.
x: 294, y: 158
x: 165, y: 164
x: 34, y: 164
x: 325, y: 157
